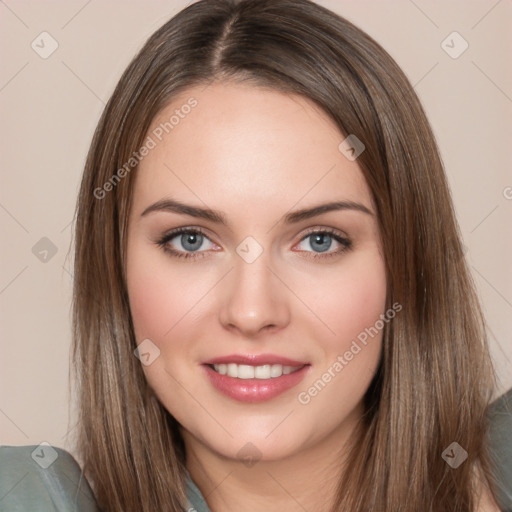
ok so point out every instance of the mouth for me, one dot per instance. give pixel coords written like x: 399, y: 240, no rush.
x: 253, y: 383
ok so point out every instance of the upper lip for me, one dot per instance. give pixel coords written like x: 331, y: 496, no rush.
x: 255, y: 360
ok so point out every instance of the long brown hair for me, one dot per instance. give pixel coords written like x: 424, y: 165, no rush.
x: 435, y: 379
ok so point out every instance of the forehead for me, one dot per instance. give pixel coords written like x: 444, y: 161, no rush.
x: 238, y: 144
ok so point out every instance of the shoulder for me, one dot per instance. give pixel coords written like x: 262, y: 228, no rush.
x: 500, y: 446
x: 43, y: 478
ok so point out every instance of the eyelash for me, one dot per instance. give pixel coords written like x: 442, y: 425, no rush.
x: 164, y: 241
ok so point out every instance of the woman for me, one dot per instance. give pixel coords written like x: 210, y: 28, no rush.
x: 323, y: 352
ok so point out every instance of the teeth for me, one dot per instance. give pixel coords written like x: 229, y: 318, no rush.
x: 245, y: 371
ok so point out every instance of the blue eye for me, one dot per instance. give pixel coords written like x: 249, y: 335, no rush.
x: 192, y: 240
x: 321, y: 241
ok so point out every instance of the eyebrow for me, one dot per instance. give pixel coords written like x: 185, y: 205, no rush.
x: 173, y: 206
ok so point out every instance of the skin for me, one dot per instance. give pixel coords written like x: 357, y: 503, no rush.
x: 256, y: 154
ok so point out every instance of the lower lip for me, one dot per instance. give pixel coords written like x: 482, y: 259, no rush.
x: 255, y: 390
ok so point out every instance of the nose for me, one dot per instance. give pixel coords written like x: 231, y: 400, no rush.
x: 254, y: 299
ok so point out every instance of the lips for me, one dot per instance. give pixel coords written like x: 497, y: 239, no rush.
x: 254, y: 390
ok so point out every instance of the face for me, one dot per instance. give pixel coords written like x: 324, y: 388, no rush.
x: 247, y: 273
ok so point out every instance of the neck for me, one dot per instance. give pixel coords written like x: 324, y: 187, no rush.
x: 305, y: 480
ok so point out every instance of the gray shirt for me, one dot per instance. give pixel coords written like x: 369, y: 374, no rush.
x: 48, y: 479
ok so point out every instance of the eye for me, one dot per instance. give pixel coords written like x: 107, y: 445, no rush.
x: 321, y: 241
x: 190, y: 240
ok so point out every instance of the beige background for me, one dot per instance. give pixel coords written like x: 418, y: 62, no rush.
x: 49, y: 108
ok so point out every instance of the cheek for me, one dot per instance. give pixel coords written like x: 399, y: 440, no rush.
x: 163, y: 306
x: 349, y: 300
x: 350, y: 354
x: 150, y: 304
x: 157, y: 297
